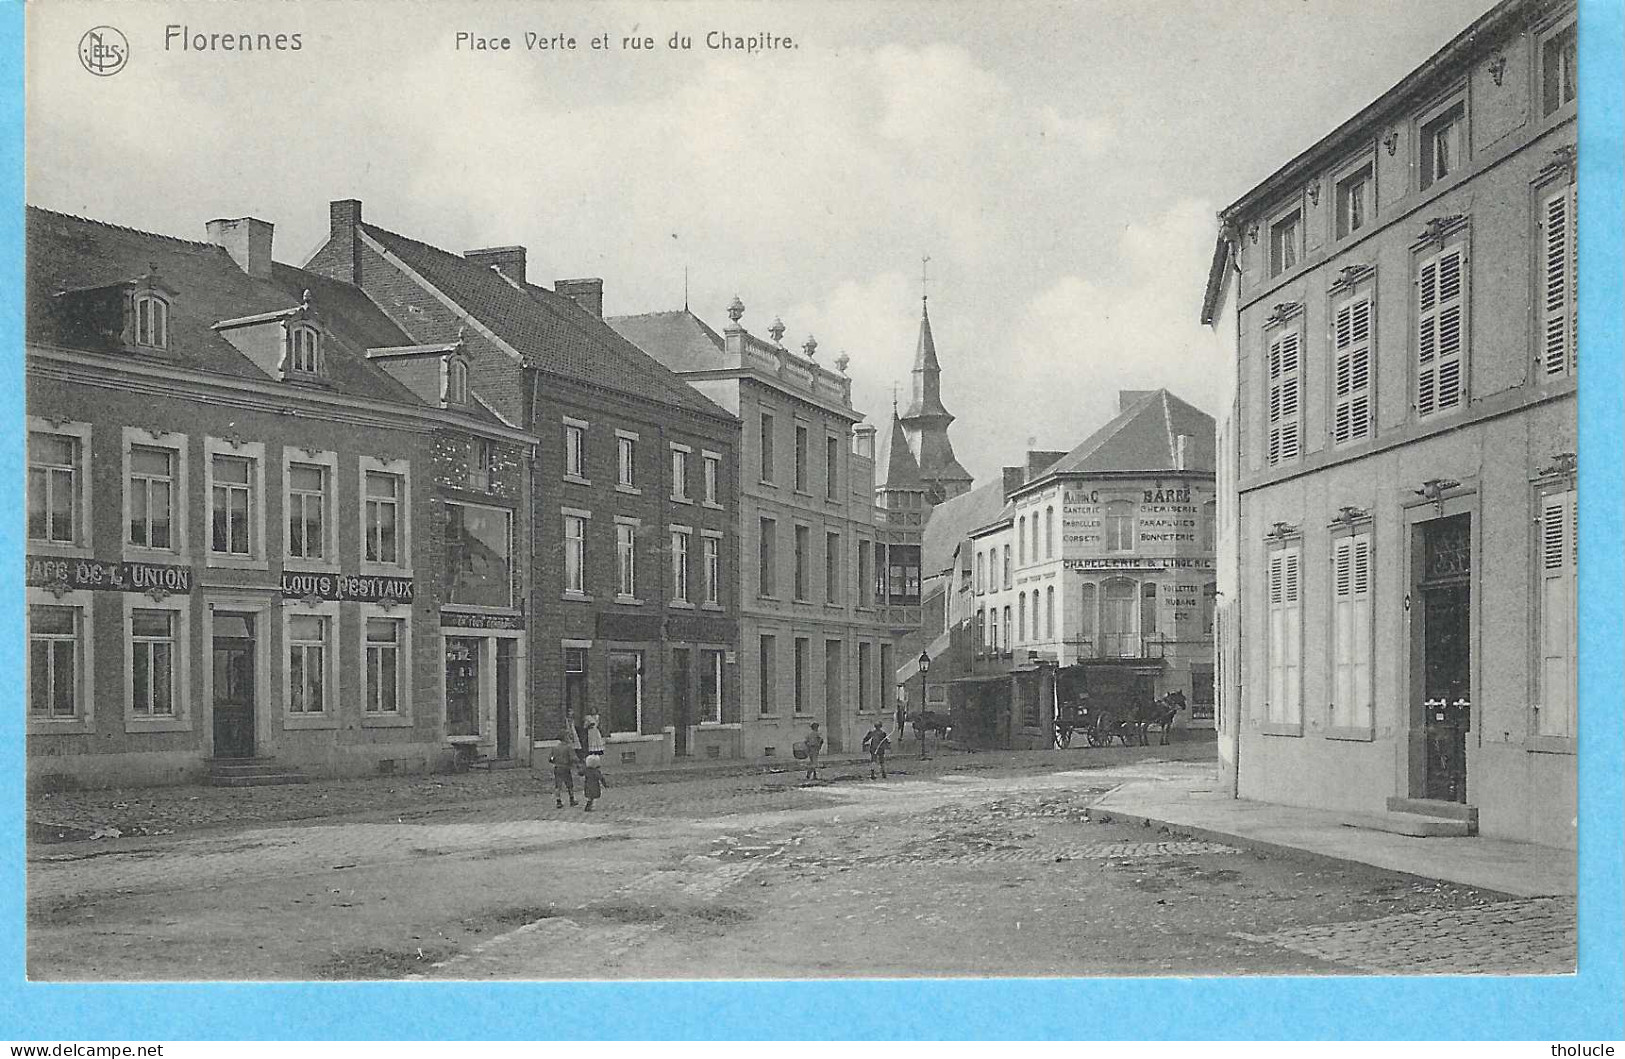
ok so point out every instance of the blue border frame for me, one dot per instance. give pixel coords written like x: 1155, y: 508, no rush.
x: 1587, y: 1005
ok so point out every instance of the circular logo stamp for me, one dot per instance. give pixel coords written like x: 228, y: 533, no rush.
x: 103, y: 51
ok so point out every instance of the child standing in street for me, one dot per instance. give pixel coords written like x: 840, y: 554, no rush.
x: 813, y: 744
x: 563, y: 759
x: 592, y: 780
x: 877, y: 742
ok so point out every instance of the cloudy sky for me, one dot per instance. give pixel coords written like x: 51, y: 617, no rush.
x: 1060, y: 163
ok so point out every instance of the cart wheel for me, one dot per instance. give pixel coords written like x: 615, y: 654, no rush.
x: 1098, y: 737
x: 1064, y: 738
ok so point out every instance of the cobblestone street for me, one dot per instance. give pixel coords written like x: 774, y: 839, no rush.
x: 1007, y: 869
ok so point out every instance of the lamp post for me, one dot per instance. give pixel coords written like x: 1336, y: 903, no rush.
x: 925, y: 667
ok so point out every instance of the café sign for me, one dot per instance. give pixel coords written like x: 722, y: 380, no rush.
x: 452, y: 619
x: 70, y: 575
x: 346, y: 588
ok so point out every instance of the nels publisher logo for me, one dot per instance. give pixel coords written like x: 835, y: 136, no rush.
x: 103, y: 51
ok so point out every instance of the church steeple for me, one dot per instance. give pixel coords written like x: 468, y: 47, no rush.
x: 926, y: 421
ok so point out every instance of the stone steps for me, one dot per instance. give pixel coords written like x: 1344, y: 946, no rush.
x: 252, y: 772
x: 1414, y: 824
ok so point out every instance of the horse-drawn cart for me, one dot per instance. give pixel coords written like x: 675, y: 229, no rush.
x: 1099, y: 724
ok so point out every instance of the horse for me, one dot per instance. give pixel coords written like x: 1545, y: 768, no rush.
x: 1160, y: 712
x: 930, y: 721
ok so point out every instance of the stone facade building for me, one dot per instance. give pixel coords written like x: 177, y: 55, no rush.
x: 250, y: 511
x: 1402, y: 298
x: 632, y: 613
x: 828, y: 583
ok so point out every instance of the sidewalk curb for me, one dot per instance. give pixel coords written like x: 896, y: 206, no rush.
x: 1276, y: 849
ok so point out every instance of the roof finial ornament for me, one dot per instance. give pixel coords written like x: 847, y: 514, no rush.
x: 462, y: 329
x: 304, y: 299
x: 894, y: 398
x: 925, y: 278
x: 842, y: 361
x: 736, y: 309
x: 776, y: 330
x: 810, y: 347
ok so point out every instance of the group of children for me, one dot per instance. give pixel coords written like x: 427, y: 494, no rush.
x: 875, y: 743
x: 568, y: 753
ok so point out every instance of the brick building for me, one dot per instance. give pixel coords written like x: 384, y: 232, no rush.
x: 1399, y: 298
x: 243, y: 490
x: 820, y: 608
x: 633, y: 601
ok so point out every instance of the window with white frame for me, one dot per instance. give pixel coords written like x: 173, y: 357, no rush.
x: 575, y: 449
x: 153, y: 494
x: 1558, y: 305
x: 1355, y: 201
x: 1351, y: 631
x: 679, y: 564
x: 1119, y: 517
x: 679, y: 473
x: 1556, y: 714
x: 304, y: 350
x: 307, y: 509
x: 993, y: 628
x: 385, y: 638
x: 711, y: 555
x: 151, y: 321
x: 710, y: 686
x: 1443, y: 143
x: 54, y: 482
x: 232, y: 505
x: 1441, y: 331
x: 382, y: 517
x: 1559, y: 69
x: 56, y: 690
x: 626, y: 559
x: 1008, y: 572
x: 626, y: 451
x: 306, y: 689
x: 575, y: 554
x: 1284, y: 701
x: 1351, y: 371
x: 154, y: 662
x: 1284, y: 366
x: 711, y: 465
x: 1286, y: 243
x: 478, y: 567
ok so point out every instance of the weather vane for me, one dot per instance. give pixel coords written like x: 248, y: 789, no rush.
x: 925, y: 278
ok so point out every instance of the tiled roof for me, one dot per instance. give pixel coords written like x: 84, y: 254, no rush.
x: 1141, y: 438
x: 550, y: 331
x: 677, y: 338
x: 953, y: 519
x: 68, y: 253
x: 902, y: 471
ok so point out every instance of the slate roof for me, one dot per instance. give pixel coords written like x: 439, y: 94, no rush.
x: 1141, y: 438
x: 902, y: 470
x: 953, y: 520
x: 68, y: 253
x: 549, y: 330
x: 677, y: 338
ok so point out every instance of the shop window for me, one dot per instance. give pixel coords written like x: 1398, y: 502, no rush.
x: 575, y: 683
x: 625, y: 692
x: 478, y: 548
x: 711, y: 686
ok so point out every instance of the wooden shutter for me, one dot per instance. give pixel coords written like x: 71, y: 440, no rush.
x: 1351, y: 420
x: 1351, y: 633
x: 1277, y: 680
x: 1292, y: 637
x: 1558, y: 617
x: 1558, y: 316
x: 1441, y: 332
x: 1285, y: 403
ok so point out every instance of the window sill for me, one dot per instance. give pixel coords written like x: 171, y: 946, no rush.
x: 62, y: 726
x: 683, y: 500
x: 630, y: 601
x: 294, y: 565
x: 680, y: 604
x: 835, y: 606
x: 478, y: 608
x: 768, y: 483
x: 632, y: 737
x: 712, y: 606
x: 802, y: 492
x: 575, y: 597
x: 576, y: 479
x: 1352, y: 735
x: 629, y: 490
x: 1278, y: 728
x: 138, y: 553
x: 712, y: 504
x: 386, y: 721
x: 157, y: 724
x: 385, y: 570
x: 719, y: 726
x: 230, y: 562
x: 1551, y: 744
x: 296, y: 721
x: 773, y: 717
x: 767, y: 596
x: 59, y: 550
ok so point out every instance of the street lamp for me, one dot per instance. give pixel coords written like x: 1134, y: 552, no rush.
x: 925, y: 662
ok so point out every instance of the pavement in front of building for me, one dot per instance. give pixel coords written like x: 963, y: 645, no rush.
x: 1197, y: 802
x: 997, y: 870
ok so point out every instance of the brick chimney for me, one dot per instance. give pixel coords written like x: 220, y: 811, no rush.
x: 587, y: 293
x: 508, y: 260
x: 247, y: 240
x: 1014, y: 478
x: 343, y: 221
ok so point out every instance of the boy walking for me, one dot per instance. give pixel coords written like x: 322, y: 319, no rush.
x: 564, y: 764
x: 592, y: 781
x: 877, y: 742
x: 813, y: 744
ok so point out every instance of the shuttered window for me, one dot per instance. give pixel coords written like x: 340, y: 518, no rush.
x: 1558, y: 615
x: 1286, y: 403
x: 1441, y: 332
x: 1557, y: 305
x: 1351, y: 632
x: 1351, y: 369
x: 1284, y: 705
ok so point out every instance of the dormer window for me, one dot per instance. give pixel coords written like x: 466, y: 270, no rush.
x: 304, y: 350
x: 151, y: 321
x: 456, y: 381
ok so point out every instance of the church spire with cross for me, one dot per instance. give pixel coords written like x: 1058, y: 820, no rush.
x: 925, y: 422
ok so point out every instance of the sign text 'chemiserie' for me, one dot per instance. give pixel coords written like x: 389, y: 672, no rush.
x: 77, y: 574
x: 357, y: 588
